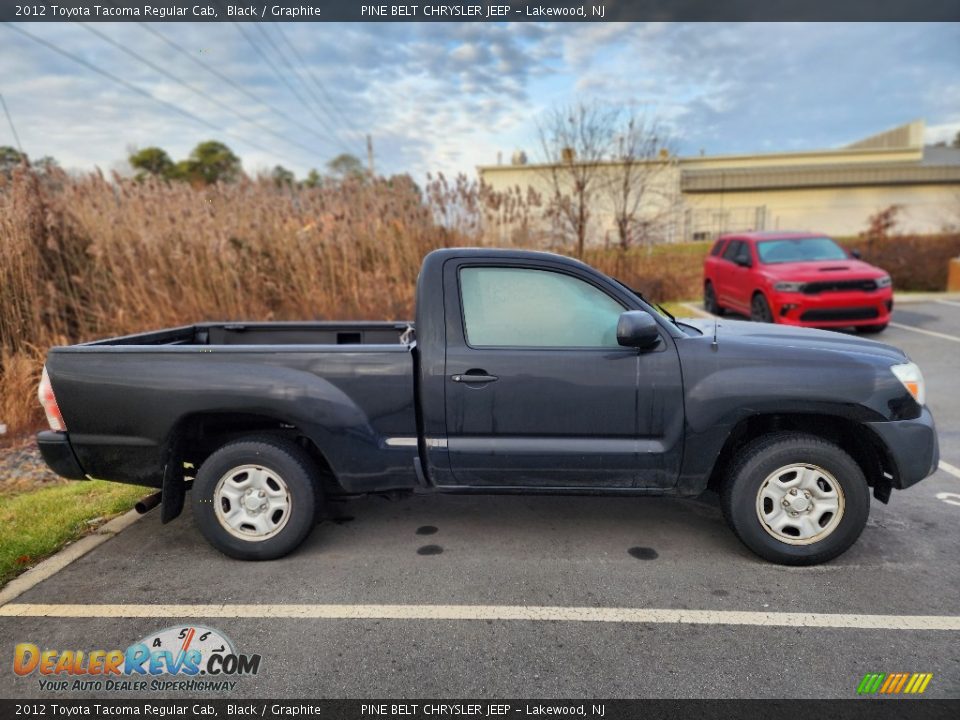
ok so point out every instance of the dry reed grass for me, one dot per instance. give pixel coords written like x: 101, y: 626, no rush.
x: 88, y: 257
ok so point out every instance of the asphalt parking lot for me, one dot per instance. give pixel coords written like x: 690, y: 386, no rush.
x: 546, y: 552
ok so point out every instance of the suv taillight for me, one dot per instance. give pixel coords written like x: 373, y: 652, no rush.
x: 49, y: 402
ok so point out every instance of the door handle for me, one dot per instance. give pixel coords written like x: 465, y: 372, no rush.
x: 470, y: 378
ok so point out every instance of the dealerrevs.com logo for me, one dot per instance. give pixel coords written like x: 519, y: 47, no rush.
x: 186, y: 658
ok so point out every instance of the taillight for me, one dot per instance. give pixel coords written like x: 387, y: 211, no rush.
x: 49, y: 402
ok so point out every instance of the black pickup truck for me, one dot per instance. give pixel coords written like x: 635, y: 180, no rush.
x: 525, y: 372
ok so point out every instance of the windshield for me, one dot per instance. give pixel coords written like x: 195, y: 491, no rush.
x: 799, y: 250
x: 686, y: 329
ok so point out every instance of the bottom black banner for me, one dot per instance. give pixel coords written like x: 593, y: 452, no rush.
x: 473, y: 709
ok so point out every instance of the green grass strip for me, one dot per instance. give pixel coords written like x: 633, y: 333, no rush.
x: 35, y: 524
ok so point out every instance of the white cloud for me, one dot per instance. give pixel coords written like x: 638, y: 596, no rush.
x: 451, y: 95
x: 945, y: 132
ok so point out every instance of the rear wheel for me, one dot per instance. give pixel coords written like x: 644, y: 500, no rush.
x: 710, y: 300
x: 795, y: 499
x: 257, y: 498
x: 760, y: 309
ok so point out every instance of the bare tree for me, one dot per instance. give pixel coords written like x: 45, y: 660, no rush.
x: 637, y: 185
x: 574, y: 143
x: 596, y: 155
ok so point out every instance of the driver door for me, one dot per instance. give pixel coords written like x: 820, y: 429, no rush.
x: 538, y: 391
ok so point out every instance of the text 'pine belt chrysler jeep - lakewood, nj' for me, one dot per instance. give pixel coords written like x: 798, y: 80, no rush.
x: 527, y: 372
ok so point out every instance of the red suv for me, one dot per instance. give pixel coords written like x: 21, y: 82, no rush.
x: 795, y: 278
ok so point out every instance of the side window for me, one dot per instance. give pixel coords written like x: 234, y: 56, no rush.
x: 733, y: 249
x: 516, y: 307
x: 717, y: 247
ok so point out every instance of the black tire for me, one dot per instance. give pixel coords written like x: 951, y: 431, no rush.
x: 760, y: 309
x: 764, y: 456
x: 871, y: 329
x: 710, y: 300
x: 281, y: 458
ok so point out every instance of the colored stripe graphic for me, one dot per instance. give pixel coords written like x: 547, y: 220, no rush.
x: 890, y: 682
x: 901, y: 682
x: 870, y: 683
x: 894, y: 683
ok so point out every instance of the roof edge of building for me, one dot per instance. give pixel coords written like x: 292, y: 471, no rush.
x: 683, y: 159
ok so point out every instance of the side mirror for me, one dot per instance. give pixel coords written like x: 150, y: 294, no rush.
x: 638, y: 329
x: 743, y: 261
x: 855, y: 254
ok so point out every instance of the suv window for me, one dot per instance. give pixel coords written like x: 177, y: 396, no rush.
x: 733, y: 249
x: 717, y: 247
x: 517, y: 307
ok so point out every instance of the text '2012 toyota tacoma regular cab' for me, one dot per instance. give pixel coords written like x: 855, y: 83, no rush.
x: 527, y: 373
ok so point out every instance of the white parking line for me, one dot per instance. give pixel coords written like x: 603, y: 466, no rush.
x: 492, y: 612
x: 949, y: 302
x: 948, y: 468
x: 931, y: 333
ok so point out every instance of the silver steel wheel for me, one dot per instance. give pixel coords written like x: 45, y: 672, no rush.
x: 800, y: 504
x: 252, y: 502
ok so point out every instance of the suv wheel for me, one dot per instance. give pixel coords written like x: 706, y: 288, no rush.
x: 760, y: 309
x: 257, y: 498
x: 795, y: 499
x: 710, y: 300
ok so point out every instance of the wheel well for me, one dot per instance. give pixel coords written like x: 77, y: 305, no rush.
x: 196, y: 437
x: 856, y: 440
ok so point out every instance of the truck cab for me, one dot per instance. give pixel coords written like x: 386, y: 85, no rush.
x: 535, y: 387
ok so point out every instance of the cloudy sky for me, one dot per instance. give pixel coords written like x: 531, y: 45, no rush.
x: 451, y: 96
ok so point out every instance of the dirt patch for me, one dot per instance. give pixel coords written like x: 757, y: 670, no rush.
x: 22, y: 468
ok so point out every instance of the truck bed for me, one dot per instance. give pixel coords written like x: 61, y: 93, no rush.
x: 347, y: 386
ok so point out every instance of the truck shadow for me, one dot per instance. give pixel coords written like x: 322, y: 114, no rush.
x: 513, y: 550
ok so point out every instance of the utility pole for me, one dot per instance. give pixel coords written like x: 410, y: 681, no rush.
x: 370, y: 155
x: 14, y: 130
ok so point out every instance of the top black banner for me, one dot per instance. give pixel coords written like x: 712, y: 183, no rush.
x: 480, y: 10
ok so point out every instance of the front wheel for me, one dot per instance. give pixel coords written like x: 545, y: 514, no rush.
x: 795, y: 499
x: 760, y: 309
x: 871, y: 329
x: 256, y: 499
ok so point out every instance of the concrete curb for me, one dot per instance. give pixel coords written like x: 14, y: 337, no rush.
x: 74, y: 551
x: 697, y: 311
x: 920, y: 297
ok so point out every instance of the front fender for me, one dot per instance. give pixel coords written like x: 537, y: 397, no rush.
x: 737, y: 380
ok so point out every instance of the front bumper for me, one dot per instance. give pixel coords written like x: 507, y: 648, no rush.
x: 833, y: 309
x: 912, y: 446
x: 57, y: 453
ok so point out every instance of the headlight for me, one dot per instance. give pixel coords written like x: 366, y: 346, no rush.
x: 790, y: 286
x: 911, y: 377
x: 884, y: 281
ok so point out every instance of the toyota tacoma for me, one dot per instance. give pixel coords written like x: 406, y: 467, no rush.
x: 525, y: 372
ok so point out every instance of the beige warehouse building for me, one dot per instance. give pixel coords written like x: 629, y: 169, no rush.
x: 833, y: 191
